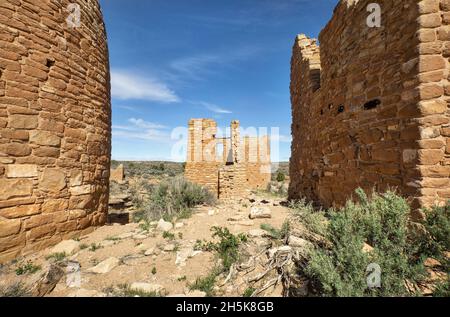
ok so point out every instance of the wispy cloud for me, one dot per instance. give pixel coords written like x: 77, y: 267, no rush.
x: 198, y: 67
x: 140, y: 129
x: 126, y: 85
x: 214, y: 108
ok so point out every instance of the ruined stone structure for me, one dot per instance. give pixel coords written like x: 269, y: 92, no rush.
x: 242, y: 164
x: 370, y: 106
x: 54, y: 123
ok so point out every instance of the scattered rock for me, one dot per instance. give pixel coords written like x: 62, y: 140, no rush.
x: 246, y: 223
x: 86, y: 293
x: 68, y: 247
x: 256, y: 233
x: 169, y: 247
x: 142, y: 247
x: 105, y: 266
x: 185, y: 254
x: 260, y: 213
x: 211, y: 212
x: 296, y: 242
x: 235, y: 218
x: 140, y: 237
x: 164, y: 225
x: 149, y: 252
x: 47, y: 282
x: 148, y: 288
x: 179, y: 225
x: 367, y: 248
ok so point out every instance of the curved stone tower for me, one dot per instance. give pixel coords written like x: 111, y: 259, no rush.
x: 55, y: 122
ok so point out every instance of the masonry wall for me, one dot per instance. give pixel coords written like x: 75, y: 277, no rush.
x: 369, y: 106
x: 243, y: 164
x: 257, y: 164
x: 54, y: 124
x: 201, y: 165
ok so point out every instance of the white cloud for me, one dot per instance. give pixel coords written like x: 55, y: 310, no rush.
x: 140, y: 123
x: 126, y: 85
x: 140, y: 129
x: 199, y: 67
x: 214, y: 108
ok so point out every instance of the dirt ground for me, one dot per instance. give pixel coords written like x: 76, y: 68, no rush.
x: 145, y: 256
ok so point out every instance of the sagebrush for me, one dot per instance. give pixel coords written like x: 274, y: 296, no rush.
x: 174, y: 198
x: 380, y: 221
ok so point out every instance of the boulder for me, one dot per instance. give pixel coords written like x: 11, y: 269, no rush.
x: 104, y: 267
x: 164, y: 225
x: 47, y: 281
x: 260, y: 213
x: 296, y: 242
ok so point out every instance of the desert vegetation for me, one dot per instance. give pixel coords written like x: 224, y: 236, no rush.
x: 375, y: 230
x: 172, y: 198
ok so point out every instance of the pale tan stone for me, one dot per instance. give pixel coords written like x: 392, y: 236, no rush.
x: 52, y: 180
x: 21, y: 170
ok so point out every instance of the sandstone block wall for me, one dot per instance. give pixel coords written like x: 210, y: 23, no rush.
x: 54, y: 123
x: 370, y: 106
x: 242, y: 164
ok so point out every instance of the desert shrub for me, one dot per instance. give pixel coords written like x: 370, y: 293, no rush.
x: 206, y: 284
x: 314, y: 220
x: 227, y: 246
x: 280, y: 176
x: 249, y: 292
x: 14, y: 290
x: 125, y: 290
x: 437, y: 238
x: 380, y: 221
x: 276, y: 233
x: 175, y: 198
x: 27, y: 268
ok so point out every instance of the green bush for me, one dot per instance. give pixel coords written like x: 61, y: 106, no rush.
x: 437, y: 239
x: 227, y: 248
x: 281, y: 177
x: 175, y: 198
x: 276, y: 233
x: 206, y: 284
x: 380, y: 221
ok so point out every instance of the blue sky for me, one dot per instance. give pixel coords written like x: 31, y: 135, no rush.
x: 180, y: 59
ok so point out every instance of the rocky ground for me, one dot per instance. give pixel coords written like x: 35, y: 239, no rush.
x: 135, y: 259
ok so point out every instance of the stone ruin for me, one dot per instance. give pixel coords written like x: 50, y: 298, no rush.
x: 371, y: 105
x: 241, y: 165
x: 55, y: 122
